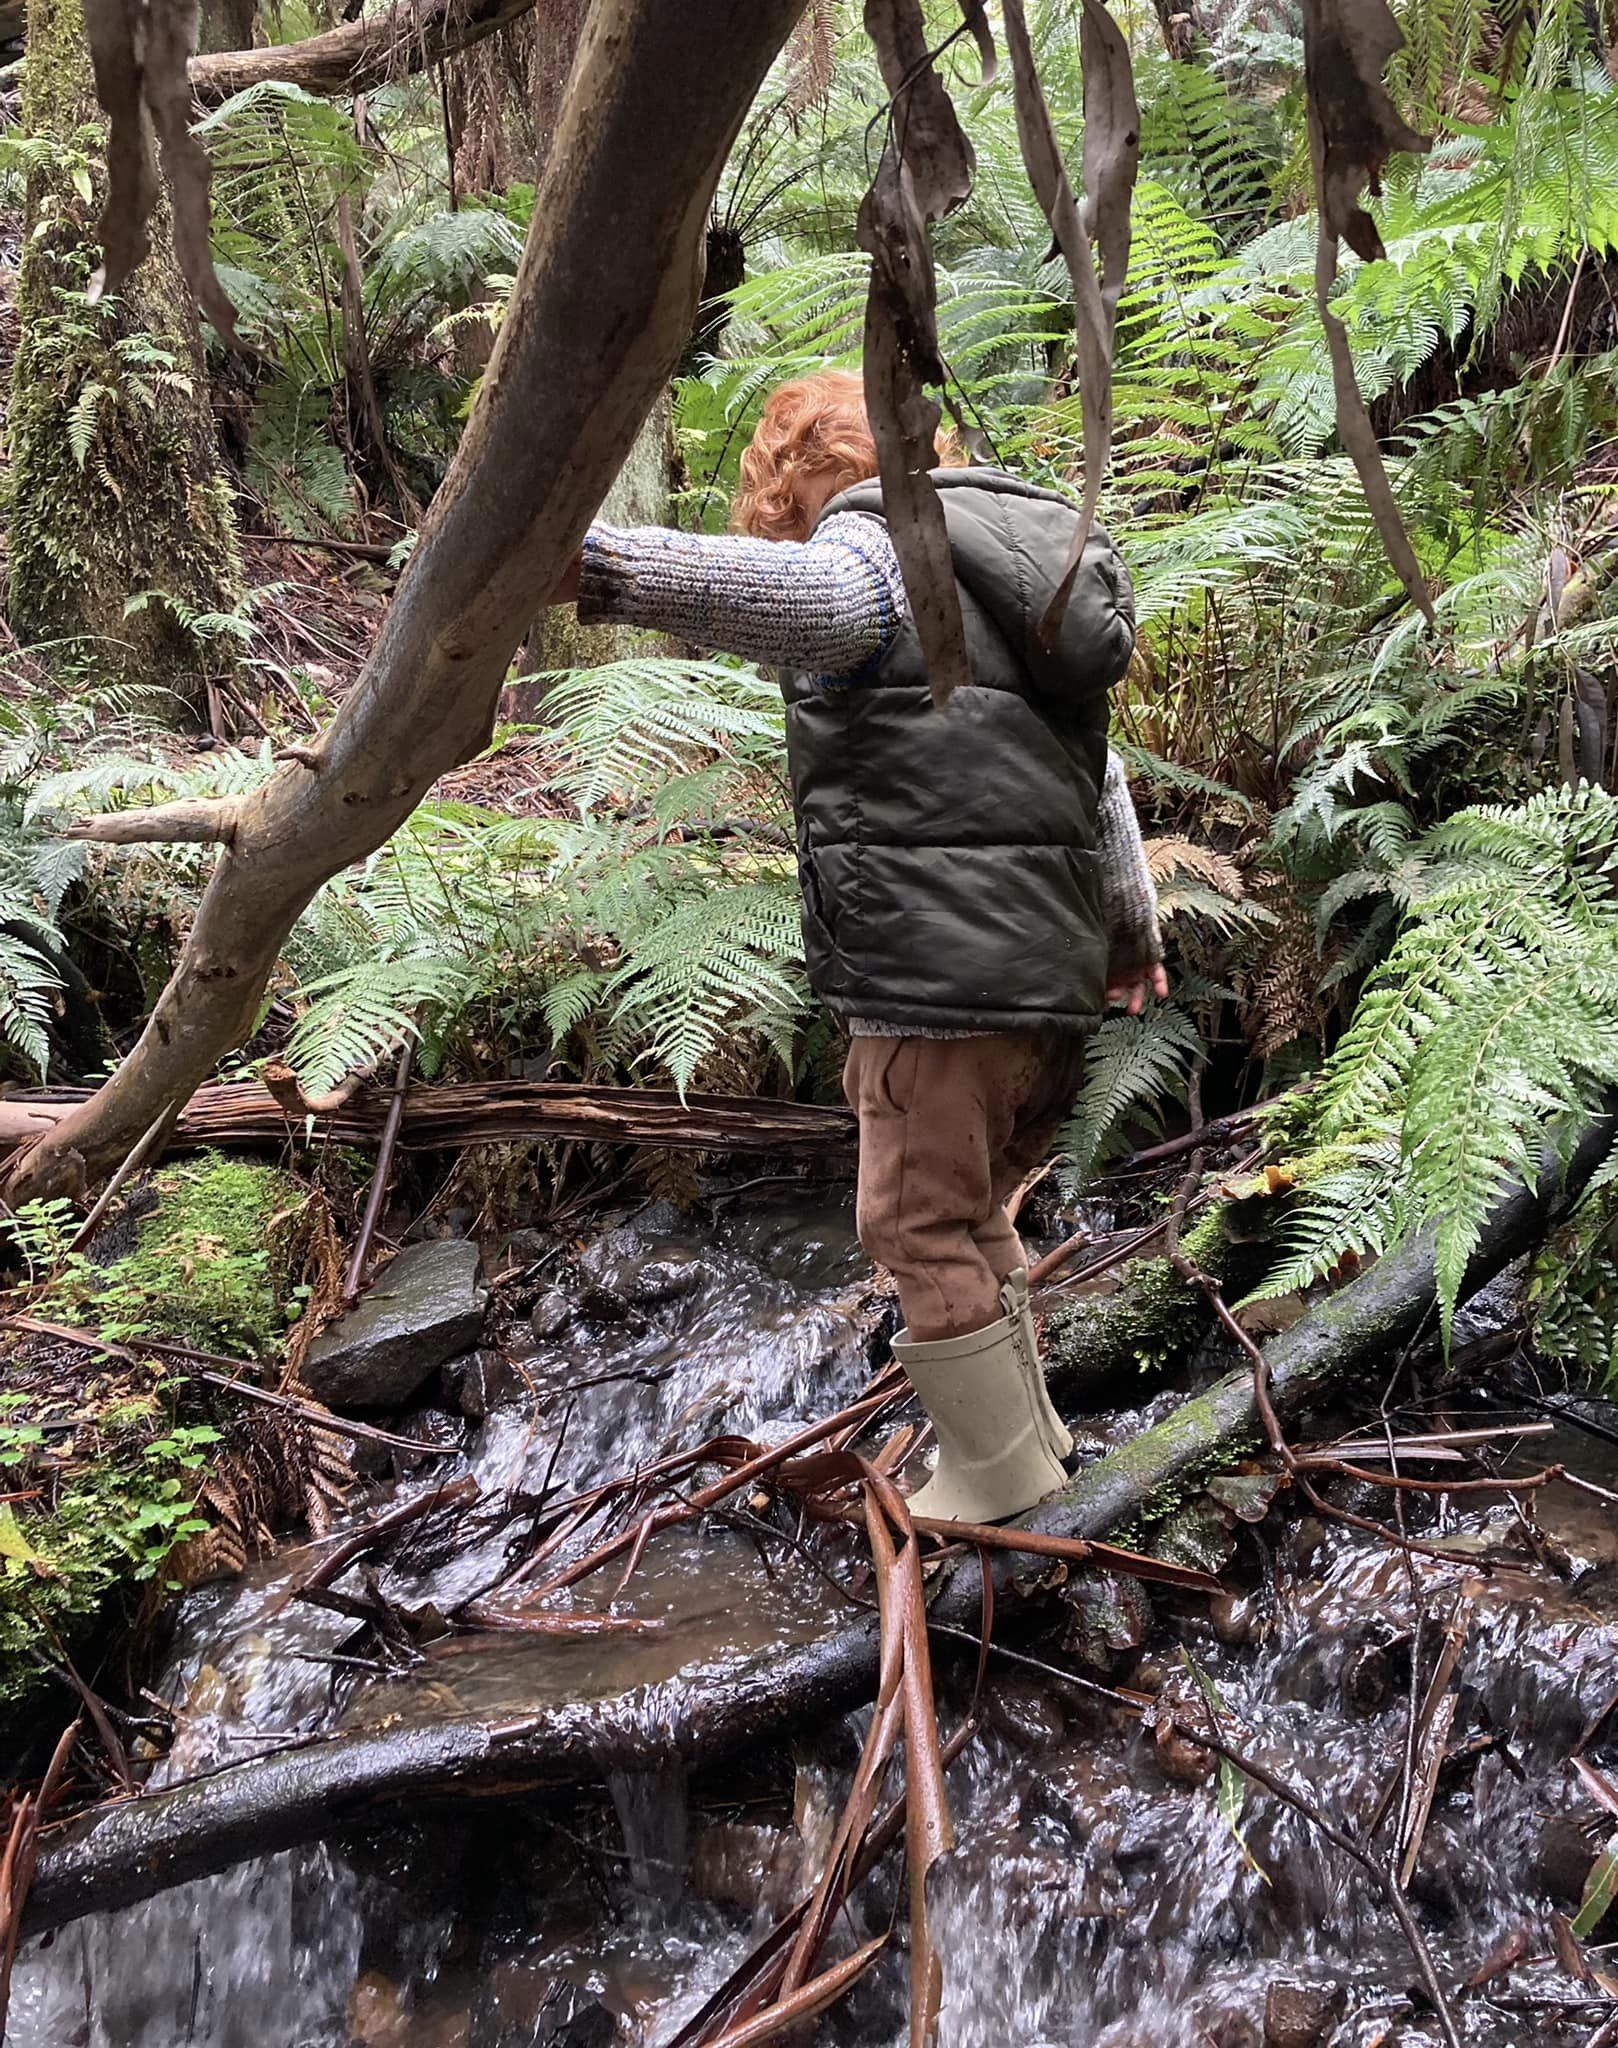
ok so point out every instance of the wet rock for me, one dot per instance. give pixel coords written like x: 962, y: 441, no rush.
x: 521, y: 2005
x: 1025, y: 1713
x: 604, y: 1305
x: 381, y: 2016
x: 1106, y: 1613
x: 1181, y: 1758
x: 482, y: 1380
x: 551, y: 1314
x: 524, y: 1248
x: 1300, y: 2015
x: 1231, y: 1616
x: 1563, y: 1858
x: 1229, y: 2030
x: 663, y: 1280
x: 753, y: 1868
x: 426, y: 1309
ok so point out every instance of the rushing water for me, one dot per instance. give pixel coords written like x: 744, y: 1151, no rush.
x: 1105, y: 1892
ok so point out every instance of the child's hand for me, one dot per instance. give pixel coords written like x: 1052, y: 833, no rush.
x: 567, y: 591
x: 1132, y: 987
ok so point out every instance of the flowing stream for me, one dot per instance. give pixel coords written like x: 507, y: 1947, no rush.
x: 1106, y: 1890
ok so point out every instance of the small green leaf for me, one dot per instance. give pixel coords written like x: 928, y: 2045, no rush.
x: 1600, y: 1890
x: 15, y: 1547
x: 81, y: 182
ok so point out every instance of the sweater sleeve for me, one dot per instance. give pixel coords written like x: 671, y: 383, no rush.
x: 831, y: 604
x: 1128, y: 896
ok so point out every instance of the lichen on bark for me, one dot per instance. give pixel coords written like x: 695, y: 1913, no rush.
x: 115, y: 482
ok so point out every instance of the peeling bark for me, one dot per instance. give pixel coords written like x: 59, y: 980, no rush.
x: 603, y: 303
x: 135, y: 1848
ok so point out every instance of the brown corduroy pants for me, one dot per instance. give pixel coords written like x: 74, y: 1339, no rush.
x: 948, y: 1129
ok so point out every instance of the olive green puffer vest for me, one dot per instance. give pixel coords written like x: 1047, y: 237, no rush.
x: 948, y: 859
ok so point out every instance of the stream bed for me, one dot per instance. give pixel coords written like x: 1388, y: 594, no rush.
x: 1110, y: 1888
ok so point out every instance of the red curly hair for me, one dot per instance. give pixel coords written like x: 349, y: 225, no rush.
x: 812, y: 433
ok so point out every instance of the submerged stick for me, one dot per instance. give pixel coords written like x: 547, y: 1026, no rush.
x: 122, y: 1853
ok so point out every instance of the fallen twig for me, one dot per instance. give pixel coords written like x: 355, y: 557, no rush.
x: 17, y: 1864
x: 354, y: 1278
x: 311, y: 1412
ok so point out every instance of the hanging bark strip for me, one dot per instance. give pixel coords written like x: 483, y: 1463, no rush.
x: 929, y: 1831
x: 1353, y: 129
x: 18, y: 1859
x: 1111, y: 154
x: 604, y: 300
x: 925, y: 172
x: 139, y: 55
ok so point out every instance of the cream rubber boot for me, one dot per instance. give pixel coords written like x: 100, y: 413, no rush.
x: 1000, y: 1442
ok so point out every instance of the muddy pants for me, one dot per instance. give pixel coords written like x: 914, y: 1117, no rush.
x: 948, y: 1129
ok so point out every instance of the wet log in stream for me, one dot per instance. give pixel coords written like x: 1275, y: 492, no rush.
x: 130, y: 1850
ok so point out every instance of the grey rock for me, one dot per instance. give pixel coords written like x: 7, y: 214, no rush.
x: 551, y: 1314
x: 661, y: 1280
x: 525, y: 1248
x: 1300, y: 2015
x: 426, y: 1309
x: 1025, y: 1714
x: 482, y: 1380
x: 603, y: 1260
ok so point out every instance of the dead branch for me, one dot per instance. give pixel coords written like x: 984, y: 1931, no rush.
x: 206, y: 821
x: 450, y: 1116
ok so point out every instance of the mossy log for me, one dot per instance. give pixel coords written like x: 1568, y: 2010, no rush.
x: 135, y: 1848
x: 1099, y: 1346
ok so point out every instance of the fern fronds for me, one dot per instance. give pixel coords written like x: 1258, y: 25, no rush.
x: 1134, y: 1064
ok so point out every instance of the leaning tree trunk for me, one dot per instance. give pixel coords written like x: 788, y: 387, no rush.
x: 640, y: 493
x: 116, y: 486
x: 603, y: 302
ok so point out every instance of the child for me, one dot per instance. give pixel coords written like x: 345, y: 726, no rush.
x: 973, y: 881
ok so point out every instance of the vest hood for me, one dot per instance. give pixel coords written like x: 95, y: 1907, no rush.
x: 1010, y: 543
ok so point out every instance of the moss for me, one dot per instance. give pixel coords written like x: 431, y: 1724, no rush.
x: 1154, y: 1320
x: 110, y: 1458
x: 208, y: 1264
x: 143, y: 504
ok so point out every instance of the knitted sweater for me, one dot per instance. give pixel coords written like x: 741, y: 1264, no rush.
x: 831, y: 605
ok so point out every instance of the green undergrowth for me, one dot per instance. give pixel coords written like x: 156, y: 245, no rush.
x: 206, y: 1257
x: 103, y: 1458
x: 99, y: 1477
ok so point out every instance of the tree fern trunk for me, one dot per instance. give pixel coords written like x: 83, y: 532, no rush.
x: 115, y: 476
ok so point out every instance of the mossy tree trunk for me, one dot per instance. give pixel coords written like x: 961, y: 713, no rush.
x: 116, y: 484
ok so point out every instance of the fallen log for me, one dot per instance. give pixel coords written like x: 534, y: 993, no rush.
x: 134, y: 1848
x: 456, y: 1114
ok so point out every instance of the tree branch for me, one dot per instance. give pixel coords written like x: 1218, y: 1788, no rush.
x: 357, y: 56
x: 603, y: 304
x: 207, y: 820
